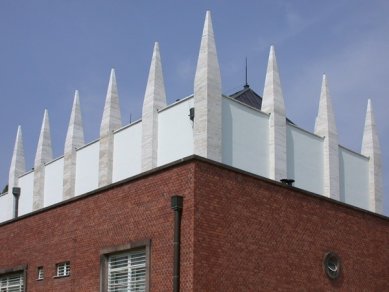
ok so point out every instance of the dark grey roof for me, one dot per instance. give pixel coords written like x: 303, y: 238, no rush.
x: 251, y: 98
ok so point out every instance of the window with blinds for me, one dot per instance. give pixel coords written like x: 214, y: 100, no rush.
x: 41, y: 273
x: 12, y: 282
x: 127, y: 271
x: 63, y: 269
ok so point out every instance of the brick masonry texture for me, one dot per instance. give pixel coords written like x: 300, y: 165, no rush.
x: 80, y: 230
x: 239, y: 233
x: 255, y: 235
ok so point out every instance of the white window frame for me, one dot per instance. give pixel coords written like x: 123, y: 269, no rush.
x: 62, y: 269
x: 12, y: 282
x: 126, y: 261
x: 40, y: 273
x: 127, y: 271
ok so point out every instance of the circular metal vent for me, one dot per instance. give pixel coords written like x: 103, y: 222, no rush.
x: 332, y: 265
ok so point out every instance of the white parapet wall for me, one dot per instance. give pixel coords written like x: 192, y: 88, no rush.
x: 245, y: 137
x: 127, y: 151
x: 175, y: 132
x: 6, y: 206
x: 245, y: 145
x: 354, y: 178
x: 304, y: 159
x: 26, y: 184
x: 87, y: 168
x: 53, y: 182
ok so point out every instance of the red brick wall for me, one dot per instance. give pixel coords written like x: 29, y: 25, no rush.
x: 78, y: 231
x: 239, y: 233
x: 252, y: 235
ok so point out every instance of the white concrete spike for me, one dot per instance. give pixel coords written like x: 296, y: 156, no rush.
x: 325, y: 120
x: 110, y: 122
x: 75, y: 133
x: 44, y: 152
x: 325, y: 126
x: 154, y: 100
x: 273, y: 104
x: 273, y: 99
x: 208, y: 97
x: 43, y: 155
x: 18, y: 164
x: 371, y: 148
x: 155, y: 89
x: 111, y: 116
x: 74, y: 139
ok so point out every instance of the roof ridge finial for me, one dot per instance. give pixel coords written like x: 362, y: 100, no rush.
x: 246, y: 85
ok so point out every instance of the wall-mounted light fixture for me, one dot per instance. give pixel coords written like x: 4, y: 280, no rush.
x: 192, y: 113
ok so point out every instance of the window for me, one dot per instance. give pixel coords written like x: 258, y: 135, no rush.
x: 12, y: 282
x: 125, y: 268
x: 40, y: 273
x: 127, y: 271
x: 63, y: 269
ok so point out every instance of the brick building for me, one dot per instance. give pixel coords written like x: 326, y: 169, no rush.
x: 239, y: 232
x: 107, y: 215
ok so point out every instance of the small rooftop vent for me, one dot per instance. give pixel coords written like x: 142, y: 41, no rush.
x: 287, y: 181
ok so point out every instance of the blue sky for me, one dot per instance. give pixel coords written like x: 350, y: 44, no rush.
x: 50, y: 48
